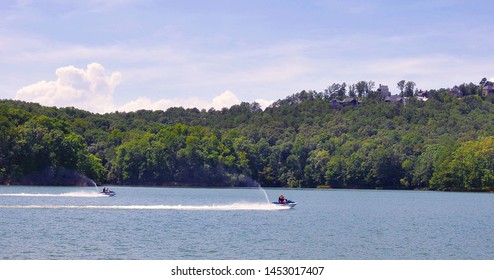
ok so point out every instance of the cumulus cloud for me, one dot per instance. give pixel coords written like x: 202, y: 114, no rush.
x: 92, y: 89
x: 264, y: 103
x: 225, y: 99
x: 89, y: 89
x: 145, y: 103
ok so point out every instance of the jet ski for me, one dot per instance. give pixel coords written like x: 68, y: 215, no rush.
x: 287, y: 203
x: 108, y: 192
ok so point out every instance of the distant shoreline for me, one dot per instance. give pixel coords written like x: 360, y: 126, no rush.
x: 192, y: 186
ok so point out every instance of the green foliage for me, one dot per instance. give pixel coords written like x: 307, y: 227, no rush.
x: 34, y: 143
x: 470, y: 167
x: 445, y: 143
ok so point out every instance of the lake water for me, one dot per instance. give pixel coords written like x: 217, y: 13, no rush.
x: 197, y: 223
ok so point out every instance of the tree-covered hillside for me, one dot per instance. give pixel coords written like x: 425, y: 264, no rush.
x: 304, y: 140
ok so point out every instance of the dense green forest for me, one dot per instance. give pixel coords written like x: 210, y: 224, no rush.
x: 304, y: 140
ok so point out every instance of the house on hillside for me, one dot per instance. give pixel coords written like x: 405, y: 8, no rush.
x: 348, y: 101
x: 384, y: 90
x: 422, y: 95
x: 335, y: 104
x: 395, y: 99
x: 456, y: 91
x: 488, y: 88
x: 345, y: 102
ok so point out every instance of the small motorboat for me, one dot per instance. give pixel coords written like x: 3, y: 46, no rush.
x: 286, y: 203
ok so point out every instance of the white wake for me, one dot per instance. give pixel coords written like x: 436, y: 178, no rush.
x: 226, y: 207
x: 70, y: 194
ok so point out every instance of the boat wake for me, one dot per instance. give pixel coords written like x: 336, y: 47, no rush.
x: 70, y: 194
x: 226, y: 207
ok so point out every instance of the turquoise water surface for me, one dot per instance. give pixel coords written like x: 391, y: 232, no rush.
x: 77, y: 223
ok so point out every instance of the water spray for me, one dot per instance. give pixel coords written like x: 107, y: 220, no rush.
x: 265, y: 194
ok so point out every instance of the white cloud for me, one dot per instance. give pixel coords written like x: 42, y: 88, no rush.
x: 89, y: 89
x: 265, y: 103
x: 225, y: 99
x: 92, y: 89
x: 145, y: 103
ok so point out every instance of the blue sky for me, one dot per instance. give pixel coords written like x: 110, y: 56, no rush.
x: 102, y: 55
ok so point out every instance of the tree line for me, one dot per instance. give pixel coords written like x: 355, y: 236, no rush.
x: 444, y: 143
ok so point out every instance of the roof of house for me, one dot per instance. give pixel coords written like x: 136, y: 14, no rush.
x: 383, y: 87
x: 394, y: 98
x: 488, y: 84
x: 349, y: 99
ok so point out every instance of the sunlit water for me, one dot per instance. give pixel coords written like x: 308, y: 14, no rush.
x: 191, y: 223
